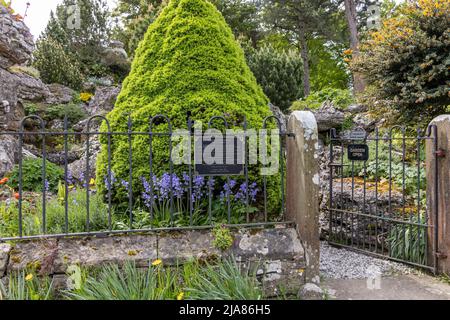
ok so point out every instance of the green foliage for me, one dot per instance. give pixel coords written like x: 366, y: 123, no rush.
x: 407, y: 63
x: 340, y: 98
x: 408, y: 242
x: 26, y: 286
x: 226, y: 281
x: 187, y: 62
x: 222, y: 238
x: 129, y: 283
x: 32, y: 177
x: 279, y: 73
x: 398, y: 170
x: 56, y: 65
x: 32, y: 72
x: 66, y: 54
x: 55, y: 214
x: 242, y: 17
x: 328, y: 69
x: 135, y: 17
x: 73, y: 111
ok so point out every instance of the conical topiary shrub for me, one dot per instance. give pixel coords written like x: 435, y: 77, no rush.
x: 188, y: 61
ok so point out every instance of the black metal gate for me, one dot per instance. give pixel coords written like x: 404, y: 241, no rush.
x: 377, y: 194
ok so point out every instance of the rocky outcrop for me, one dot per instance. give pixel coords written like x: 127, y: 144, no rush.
x: 59, y: 94
x: 116, y: 57
x: 78, y: 167
x: 8, y: 154
x: 103, y: 101
x: 16, y: 41
x: 31, y: 89
x: 328, y: 117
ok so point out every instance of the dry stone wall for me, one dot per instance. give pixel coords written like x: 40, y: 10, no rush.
x: 277, y: 254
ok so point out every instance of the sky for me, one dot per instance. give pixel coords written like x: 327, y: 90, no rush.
x: 39, y: 12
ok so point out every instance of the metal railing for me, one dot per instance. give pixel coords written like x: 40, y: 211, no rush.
x: 252, y: 209
x: 384, y: 212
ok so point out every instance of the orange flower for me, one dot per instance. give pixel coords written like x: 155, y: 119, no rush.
x: 4, y: 180
x: 17, y: 195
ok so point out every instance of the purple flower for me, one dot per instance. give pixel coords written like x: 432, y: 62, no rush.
x: 241, y: 195
x: 125, y: 184
x: 227, y: 189
x: 109, y: 183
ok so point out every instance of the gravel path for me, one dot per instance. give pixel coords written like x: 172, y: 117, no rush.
x: 338, y: 263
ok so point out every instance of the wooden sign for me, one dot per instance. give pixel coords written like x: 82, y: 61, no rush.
x: 358, y: 152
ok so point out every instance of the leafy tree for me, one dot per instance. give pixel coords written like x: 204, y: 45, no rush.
x: 135, y: 17
x: 242, y: 17
x: 328, y: 69
x: 279, y: 73
x: 407, y: 61
x: 301, y: 21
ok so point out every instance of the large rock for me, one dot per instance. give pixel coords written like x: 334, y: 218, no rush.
x: 8, y: 154
x: 103, y: 101
x: 116, y: 57
x: 31, y: 89
x: 78, y: 168
x: 60, y: 94
x: 8, y: 88
x: 328, y: 117
x: 5, y: 248
x: 22, y: 87
x: 16, y: 41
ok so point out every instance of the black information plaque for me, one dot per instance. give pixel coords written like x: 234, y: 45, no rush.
x: 231, y: 164
x: 358, y: 152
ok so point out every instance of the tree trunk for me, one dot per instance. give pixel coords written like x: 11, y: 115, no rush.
x: 305, y: 58
x: 350, y: 12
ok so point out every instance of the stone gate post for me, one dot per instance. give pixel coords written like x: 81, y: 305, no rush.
x: 302, y: 190
x: 438, y: 193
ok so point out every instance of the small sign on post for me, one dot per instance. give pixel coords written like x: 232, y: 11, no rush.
x: 358, y: 152
x: 357, y: 134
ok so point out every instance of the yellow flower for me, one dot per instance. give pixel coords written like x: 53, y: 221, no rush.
x: 86, y: 96
x: 29, y: 277
x: 157, y: 262
x: 348, y: 52
x: 180, y: 296
x: 92, y: 182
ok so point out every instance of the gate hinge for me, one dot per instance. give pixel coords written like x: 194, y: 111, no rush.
x: 441, y: 255
x: 440, y: 153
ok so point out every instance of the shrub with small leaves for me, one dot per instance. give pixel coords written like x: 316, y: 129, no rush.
x: 407, y: 61
x: 56, y: 65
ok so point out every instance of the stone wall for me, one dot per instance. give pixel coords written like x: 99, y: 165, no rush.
x: 277, y: 254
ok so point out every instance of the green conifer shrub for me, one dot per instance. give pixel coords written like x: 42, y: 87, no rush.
x: 188, y: 61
